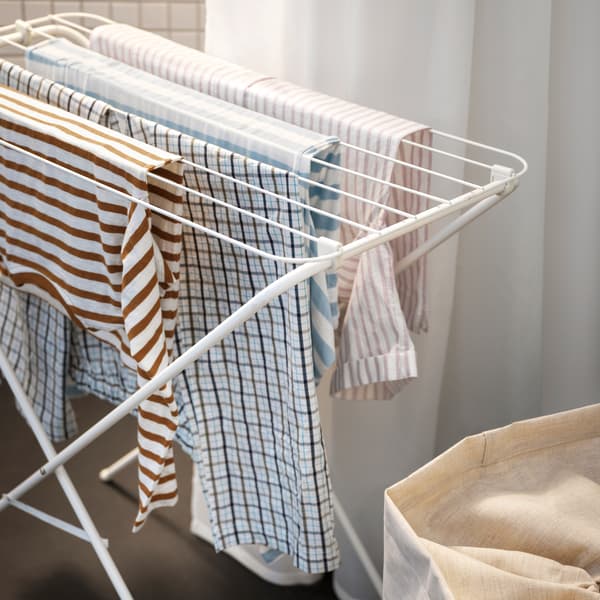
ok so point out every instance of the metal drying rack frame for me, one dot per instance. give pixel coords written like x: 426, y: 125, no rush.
x: 501, y: 181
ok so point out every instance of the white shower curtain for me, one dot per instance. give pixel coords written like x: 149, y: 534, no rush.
x: 515, y: 303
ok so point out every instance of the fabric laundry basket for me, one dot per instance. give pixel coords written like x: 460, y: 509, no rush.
x: 509, y: 514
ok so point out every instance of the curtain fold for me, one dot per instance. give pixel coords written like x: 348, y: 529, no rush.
x: 571, y: 312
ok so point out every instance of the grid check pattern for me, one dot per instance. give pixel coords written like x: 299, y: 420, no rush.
x: 248, y: 410
x: 248, y: 407
x: 38, y: 357
x: 227, y: 126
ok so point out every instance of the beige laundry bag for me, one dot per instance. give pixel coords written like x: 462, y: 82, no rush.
x: 512, y: 513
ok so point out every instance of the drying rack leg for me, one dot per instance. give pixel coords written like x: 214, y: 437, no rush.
x: 109, y: 472
x: 447, y: 232
x: 64, y: 480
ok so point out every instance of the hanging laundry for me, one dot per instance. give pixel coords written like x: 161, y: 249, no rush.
x: 375, y: 355
x: 248, y: 410
x: 100, y: 258
x: 34, y: 335
x: 230, y: 127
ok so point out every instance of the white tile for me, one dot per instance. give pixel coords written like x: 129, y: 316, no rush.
x: 184, y: 16
x: 126, y: 12
x: 162, y: 32
x: 17, y: 59
x: 186, y: 38
x: 35, y: 9
x: 11, y: 53
x: 6, y: 50
x: 65, y: 7
x: 202, y: 16
x: 97, y: 8
x: 10, y: 12
x: 155, y: 15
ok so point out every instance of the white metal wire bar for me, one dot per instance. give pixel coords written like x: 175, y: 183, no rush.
x: 48, y: 20
x: 71, y: 15
x: 499, y: 173
x: 182, y: 220
x: 403, y: 163
x: 234, y: 208
x: 77, y: 532
x: 16, y: 32
x: 63, y: 18
x: 27, y: 32
x: 448, y: 154
x: 372, y: 571
x: 7, y: 40
x: 425, y: 218
x: 369, y: 201
x: 282, y: 197
x: 109, y: 472
x: 469, y: 142
x: 43, y: 33
x: 451, y: 229
x: 391, y: 209
x: 395, y: 186
x: 12, y: 28
x: 59, y: 19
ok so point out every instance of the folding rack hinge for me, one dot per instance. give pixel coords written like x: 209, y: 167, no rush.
x: 500, y: 173
x: 25, y: 30
x: 326, y: 247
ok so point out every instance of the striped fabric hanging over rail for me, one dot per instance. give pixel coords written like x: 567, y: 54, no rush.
x: 231, y: 127
x: 375, y: 355
x: 109, y: 263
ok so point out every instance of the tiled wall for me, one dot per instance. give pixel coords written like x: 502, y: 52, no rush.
x: 180, y: 20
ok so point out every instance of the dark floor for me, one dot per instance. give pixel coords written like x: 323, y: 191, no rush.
x: 164, y: 560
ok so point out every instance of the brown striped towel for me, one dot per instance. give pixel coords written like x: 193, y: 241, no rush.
x: 109, y: 263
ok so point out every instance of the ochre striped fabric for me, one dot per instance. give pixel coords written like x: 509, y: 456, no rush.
x: 110, y: 264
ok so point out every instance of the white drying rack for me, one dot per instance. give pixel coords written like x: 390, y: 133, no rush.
x: 501, y: 180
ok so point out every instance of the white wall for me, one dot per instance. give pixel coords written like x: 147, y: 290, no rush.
x: 493, y: 371
x: 571, y: 315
